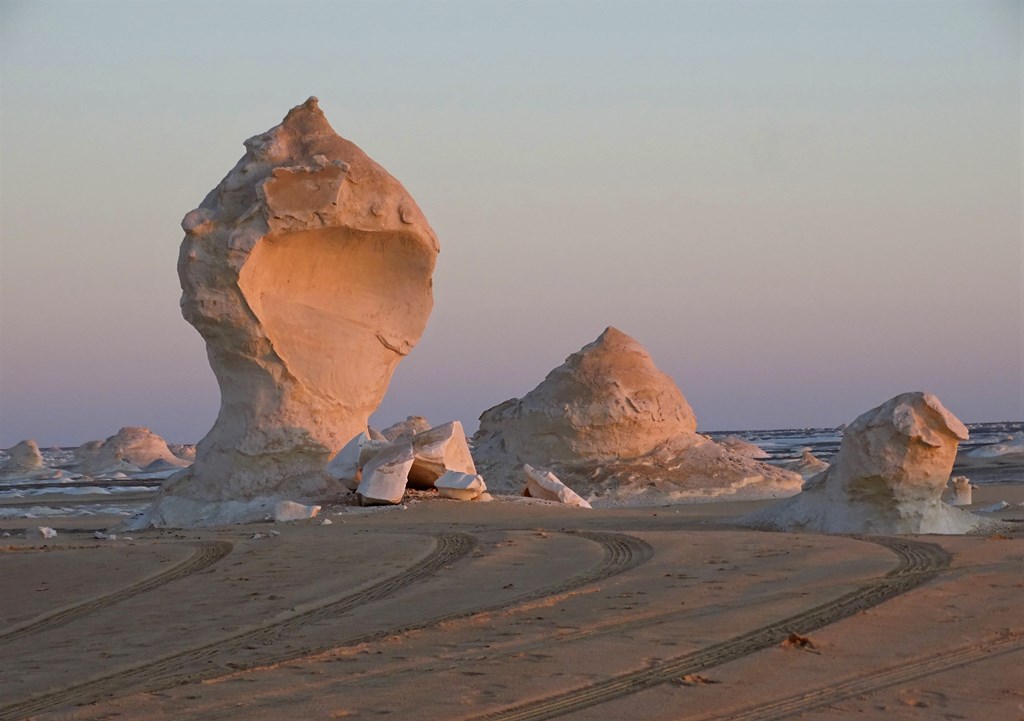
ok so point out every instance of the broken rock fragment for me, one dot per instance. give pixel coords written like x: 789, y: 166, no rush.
x: 438, y: 451
x: 460, y: 486
x: 291, y: 511
x: 545, y: 485
x: 384, y: 478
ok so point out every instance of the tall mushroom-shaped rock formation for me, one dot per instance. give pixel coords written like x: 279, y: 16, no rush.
x: 308, y: 273
x: 888, y: 476
x: 608, y: 422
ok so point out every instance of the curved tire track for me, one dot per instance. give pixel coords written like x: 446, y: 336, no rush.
x: 172, y: 669
x: 206, y: 554
x: 876, y: 681
x: 918, y: 563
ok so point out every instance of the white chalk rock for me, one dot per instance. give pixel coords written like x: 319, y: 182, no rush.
x: 406, y: 429
x: 438, y: 451
x: 961, y: 491
x: 460, y: 486
x: 610, y: 422
x: 25, y: 461
x: 1013, y: 446
x: 994, y: 508
x: 545, y: 485
x: 291, y: 511
x: 40, y: 532
x: 327, y: 522
x: 744, y: 448
x: 128, y: 451
x: 308, y: 273
x: 346, y: 465
x: 806, y: 465
x: 385, y: 476
x: 888, y: 476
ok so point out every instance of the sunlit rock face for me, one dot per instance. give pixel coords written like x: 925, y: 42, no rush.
x: 888, y: 476
x: 308, y: 273
x: 610, y: 424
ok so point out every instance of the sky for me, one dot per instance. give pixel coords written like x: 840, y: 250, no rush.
x: 800, y: 209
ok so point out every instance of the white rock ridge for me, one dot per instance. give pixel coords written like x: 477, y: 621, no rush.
x: 608, y: 421
x: 888, y: 476
x: 307, y: 271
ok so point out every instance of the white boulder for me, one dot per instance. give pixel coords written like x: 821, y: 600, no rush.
x: 40, y: 533
x: 888, y: 476
x: 545, y: 485
x: 438, y: 451
x: 384, y: 478
x: 460, y: 486
x: 347, y: 463
x: 307, y: 271
x: 291, y: 511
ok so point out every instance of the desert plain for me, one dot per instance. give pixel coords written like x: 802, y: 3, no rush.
x: 512, y: 609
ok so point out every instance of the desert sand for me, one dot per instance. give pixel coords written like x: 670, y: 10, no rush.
x: 514, y: 609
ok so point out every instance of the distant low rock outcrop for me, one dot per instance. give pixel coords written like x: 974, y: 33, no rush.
x: 807, y: 464
x: 308, y: 273
x: 612, y: 425
x: 130, y: 450
x: 888, y: 476
x: 25, y: 461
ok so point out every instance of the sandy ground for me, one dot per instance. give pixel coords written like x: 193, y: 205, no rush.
x: 512, y: 610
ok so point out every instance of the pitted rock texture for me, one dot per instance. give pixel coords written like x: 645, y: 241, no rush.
x: 611, y: 425
x: 888, y: 476
x: 308, y: 273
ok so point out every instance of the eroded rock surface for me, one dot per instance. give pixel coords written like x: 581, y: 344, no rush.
x: 807, y: 464
x: 619, y: 431
x: 406, y: 429
x: 888, y: 476
x: 128, y: 451
x: 308, y: 273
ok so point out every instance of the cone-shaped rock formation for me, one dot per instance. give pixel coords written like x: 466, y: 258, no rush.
x: 608, y: 422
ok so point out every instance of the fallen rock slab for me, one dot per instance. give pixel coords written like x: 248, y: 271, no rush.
x: 438, y: 451
x: 385, y: 476
x: 460, y: 486
x: 291, y: 511
x: 546, y: 486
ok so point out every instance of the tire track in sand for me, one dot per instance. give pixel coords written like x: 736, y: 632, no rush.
x: 172, y: 669
x: 918, y: 563
x: 876, y: 681
x: 206, y: 554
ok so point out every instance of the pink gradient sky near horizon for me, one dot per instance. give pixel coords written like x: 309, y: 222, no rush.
x: 801, y: 209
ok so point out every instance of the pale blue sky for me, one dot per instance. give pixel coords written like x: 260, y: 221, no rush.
x: 800, y: 208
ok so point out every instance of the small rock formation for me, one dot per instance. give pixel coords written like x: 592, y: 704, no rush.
x: 128, y: 451
x: 40, y: 533
x: 888, y: 476
x: 1012, y: 446
x: 184, y: 451
x: 291, y: 511
x: 385, y: 476
x: 435, y: 452
x: 406, y: 429
x: 307, y: 271
x: 806, y: 465
x: 608, y: 421
x: 546, y: 486
x: 25, y: 461
x: 961, y: 491
x: 460, y: 486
